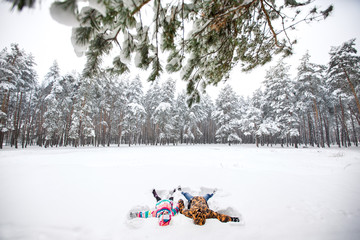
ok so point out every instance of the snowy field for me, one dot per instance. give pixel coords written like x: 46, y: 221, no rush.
x: 86, y: 193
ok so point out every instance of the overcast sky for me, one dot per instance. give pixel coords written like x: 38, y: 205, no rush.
x: 36, y: 32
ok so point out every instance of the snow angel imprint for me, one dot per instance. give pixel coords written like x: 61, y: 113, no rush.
x: 199, y: 211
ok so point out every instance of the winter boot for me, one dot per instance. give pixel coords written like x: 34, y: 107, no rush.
x: 171, y: 193
x: 156, y: 195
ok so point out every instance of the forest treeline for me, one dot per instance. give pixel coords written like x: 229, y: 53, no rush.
x: 318, y: 107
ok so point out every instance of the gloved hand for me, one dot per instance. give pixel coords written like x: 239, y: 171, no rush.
x: 235, y: 219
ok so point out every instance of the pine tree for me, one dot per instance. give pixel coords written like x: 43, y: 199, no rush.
x: 53, y: 114
x: 135, y: 114
x: 82, y: 129
x: 120, y: 107
x: 309, y: 97
x: 344, y: 70
x: 163, y: 113
x: 252, y: 118
x: 227, y: 116
x: 280, y: 102
x: 221, y: 34
x: 17, y: 77
x: 70, y: 86
x: 133, y: 120
x: 206, y: 123
x: 180, y: 113
x: 151, y: 101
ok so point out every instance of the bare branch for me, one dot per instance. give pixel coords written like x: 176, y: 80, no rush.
x: 269, y: 22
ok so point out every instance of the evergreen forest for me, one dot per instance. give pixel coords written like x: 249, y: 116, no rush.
x: 317, y: 107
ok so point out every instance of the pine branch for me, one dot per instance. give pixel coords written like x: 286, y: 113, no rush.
x: 269, y: 23
x: 137, y: 9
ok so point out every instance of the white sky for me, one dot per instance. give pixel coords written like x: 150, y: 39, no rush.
x: 36, y: 32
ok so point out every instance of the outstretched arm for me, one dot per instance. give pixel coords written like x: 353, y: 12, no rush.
x: 182, y: 209
x: 175, y: 210
x: 181, y: 205
x: 144, y: 214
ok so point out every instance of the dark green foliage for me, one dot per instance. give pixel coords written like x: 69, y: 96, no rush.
x: 202, y: 39
x: 119, y: 67
x: 69, y: 5
x: 83, y: 34
x: 20, y: 4
x: 99, y: 46
x: 327, y: 12
x: 156, y: 69
x: 294, y: 3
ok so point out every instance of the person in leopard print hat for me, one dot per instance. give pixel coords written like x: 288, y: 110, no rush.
x: 199, y: 210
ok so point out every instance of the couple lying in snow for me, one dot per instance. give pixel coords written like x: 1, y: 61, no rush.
x: 198, y: 209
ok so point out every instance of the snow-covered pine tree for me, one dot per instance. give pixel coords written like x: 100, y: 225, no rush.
x: 206, y: 124
x: 135, y: 90
x: 163, y: 115
x: 180, y: 112
x: 135, y: 114
x: 64, y: 91
x: 162, y: 119
x: 133, y: 121
x: 26, y: 83
x: 151, y: 100
x: 29, y: 124
x: 82, y: 129
x: 193, y: 118
x: 53, y: 114
x: 202, y: 39
x: 51, y: 76
x: 227, y: 115
x: 280, y: 103
x: 309, y: 88
x: 343, y: 75
x: 252, y: 118
x: 110, y: 104
x: 70, y: 86
x: 47, y: 127
x: 120, y: 107
x: 193, y: 124
x: 17, y: 78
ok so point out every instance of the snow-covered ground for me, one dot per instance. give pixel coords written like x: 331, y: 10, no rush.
x: 86, y: 193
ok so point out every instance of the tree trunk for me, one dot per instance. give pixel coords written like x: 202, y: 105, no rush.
x: 4, y: 109
x: 321, y: 131
x: 357, y: 116
x: 40, y: 141
x: 311, y: 132
x: 346, y: 131
x: 352, y: 90
x: 327, y: 132
x: 305, y: 139
x: 317, y: 125
x: 68, y: 125
x: 337, y: 135
x: 355, y: 140
x: 17, y: 122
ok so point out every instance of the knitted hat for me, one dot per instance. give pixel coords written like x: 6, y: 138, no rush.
x: 164, y: 219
